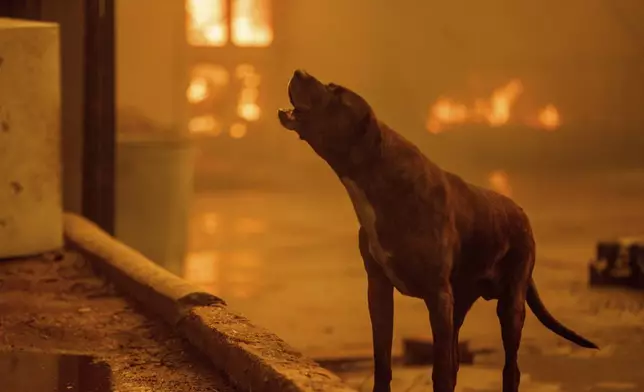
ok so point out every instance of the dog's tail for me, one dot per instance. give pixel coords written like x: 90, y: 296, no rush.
x: 547, y: 319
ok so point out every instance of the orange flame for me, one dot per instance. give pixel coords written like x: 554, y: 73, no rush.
x: 501, y: 103
x: 250, y: 26
x: 207, y: 125
x: 198, y: 90
x: 495, y: 111
x: 247, y: 107
x: 251, y: 23
x: 499, y: 181
x: 446, y: 112
x: 207, y: 80
x: 238, y: 130
x: 549, y: 118
x: 207, y: 22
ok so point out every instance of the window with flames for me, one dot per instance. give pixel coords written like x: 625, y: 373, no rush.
x: 220, y: 24
x: 495, y: 111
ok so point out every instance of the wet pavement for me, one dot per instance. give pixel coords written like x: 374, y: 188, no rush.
x: 56, y: 373
x: 289, y: 261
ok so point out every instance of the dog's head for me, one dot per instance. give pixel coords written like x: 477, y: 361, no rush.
x: 332, y: 119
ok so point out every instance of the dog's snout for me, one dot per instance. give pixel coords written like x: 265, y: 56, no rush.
x: 301, y: 74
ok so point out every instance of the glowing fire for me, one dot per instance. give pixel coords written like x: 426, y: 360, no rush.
x: 207, y: 22
x: 207, y: 80
x: 549, y: 118
x: 495, y: 111
x: 238, y: 130
x: 198, y: 90
x: 501, y: 102
x: 247, y: 107
x: 251, y: 23
x: 204, y: 125
x: 448, y: 112
x: 499, y: 182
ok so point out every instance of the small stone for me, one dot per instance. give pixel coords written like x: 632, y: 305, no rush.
x: 54, y: 256
x: 84, y: 310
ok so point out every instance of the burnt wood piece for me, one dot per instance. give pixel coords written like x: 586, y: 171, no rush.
x: 609, y: 269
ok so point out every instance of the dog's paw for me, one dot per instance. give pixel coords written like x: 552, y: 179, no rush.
x: 381, y: 388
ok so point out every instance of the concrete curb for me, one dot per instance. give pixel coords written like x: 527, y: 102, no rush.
x: 253, y: 358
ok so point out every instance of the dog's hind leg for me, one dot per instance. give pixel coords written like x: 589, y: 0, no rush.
x: 380, y: 296
x: 511, y: 312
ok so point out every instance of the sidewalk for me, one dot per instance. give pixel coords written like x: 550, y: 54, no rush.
x: 60, y: 306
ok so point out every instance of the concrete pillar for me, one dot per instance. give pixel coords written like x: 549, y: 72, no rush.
x: 30, y: 194
x: 153, y: 197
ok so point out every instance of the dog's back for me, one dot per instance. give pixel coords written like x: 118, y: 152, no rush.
x: 488, y: 224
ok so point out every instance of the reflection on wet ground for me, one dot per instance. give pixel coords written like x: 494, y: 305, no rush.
x: 564, y: 369
x: 22, y: 371
x: 289, y: 261
x: 488, y: 379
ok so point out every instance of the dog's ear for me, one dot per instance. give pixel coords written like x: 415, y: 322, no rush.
x: 368, y: 129
x: 367, y: 138
x: 355, y: 103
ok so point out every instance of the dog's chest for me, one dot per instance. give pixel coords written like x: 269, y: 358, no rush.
x: 367, y: 217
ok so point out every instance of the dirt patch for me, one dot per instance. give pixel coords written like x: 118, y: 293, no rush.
x: 57, y: 304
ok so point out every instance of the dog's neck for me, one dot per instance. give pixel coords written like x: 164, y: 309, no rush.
x: 361, y: 155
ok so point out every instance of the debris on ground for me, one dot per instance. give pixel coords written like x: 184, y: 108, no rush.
x: 618, y: 263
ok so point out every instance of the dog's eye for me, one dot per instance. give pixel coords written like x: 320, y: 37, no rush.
x: 335, y: 89
x: 300, y: 114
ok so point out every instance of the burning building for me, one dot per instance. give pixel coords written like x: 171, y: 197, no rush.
x: 489, y: 90
x: 504, y: 85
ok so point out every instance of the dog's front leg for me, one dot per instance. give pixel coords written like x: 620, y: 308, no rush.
x: 380, y: 295
x: 440, y: 304
x: 381, y: 312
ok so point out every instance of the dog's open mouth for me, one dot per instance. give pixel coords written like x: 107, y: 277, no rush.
x: 302, y: 89
x: 288, y: 119
x: 287, y: 116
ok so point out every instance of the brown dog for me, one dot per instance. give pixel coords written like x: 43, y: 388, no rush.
x: 424, y: 231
